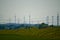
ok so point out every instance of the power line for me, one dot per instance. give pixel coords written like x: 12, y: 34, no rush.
x: 18, y: 20
x: 29, y: 19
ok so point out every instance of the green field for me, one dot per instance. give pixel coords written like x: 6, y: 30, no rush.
x: 31, y: 34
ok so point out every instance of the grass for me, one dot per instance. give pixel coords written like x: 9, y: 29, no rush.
x: 31, y: 34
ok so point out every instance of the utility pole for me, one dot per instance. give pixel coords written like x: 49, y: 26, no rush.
x: 52, y: 19
x: 57, y: 19
x: 9, y: 20
x: 24, y: 21
x: 47, y: 20
x: 29, y: 21
x: 15, y: 19
x: 38, y: 23
x: 0, y: 19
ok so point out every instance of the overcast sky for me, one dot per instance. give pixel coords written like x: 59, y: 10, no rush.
x: 37, y: 9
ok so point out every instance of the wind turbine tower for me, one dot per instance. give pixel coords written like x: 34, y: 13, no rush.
x: 47, y: 20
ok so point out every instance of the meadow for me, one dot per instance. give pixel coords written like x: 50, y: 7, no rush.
x: 49, y: 33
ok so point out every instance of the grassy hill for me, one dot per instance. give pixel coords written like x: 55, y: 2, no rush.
x: 50, y: 33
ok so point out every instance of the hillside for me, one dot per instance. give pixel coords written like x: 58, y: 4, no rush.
x: 33, y: 33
